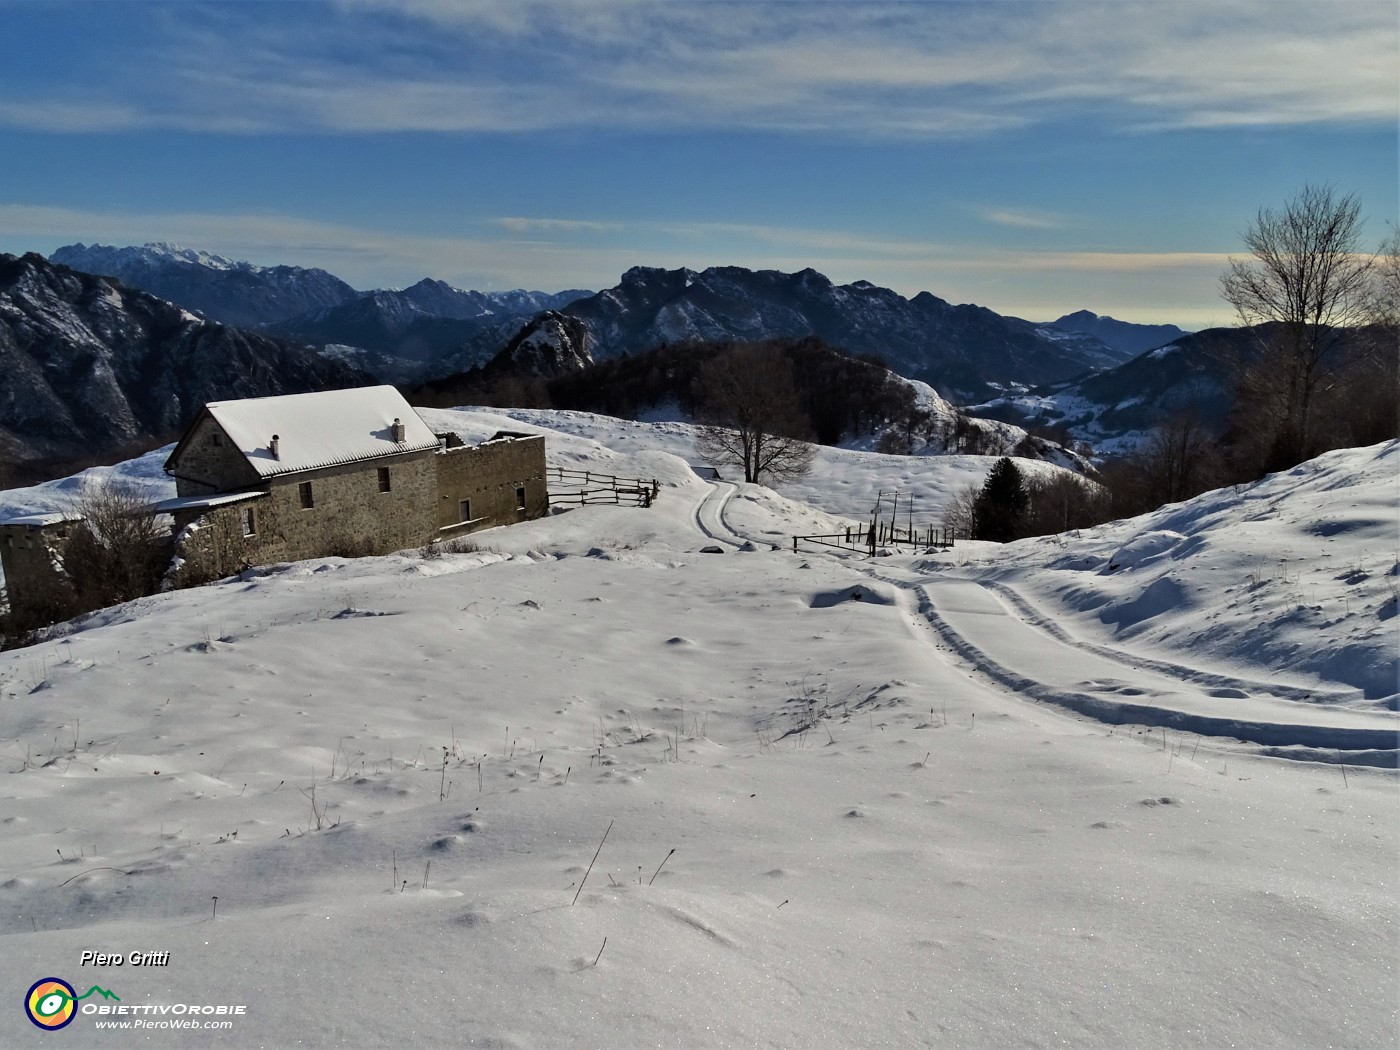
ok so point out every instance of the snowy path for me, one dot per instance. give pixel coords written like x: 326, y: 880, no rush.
x: 709, y: 514
x: 1004, y: 637
x: 993, y: 637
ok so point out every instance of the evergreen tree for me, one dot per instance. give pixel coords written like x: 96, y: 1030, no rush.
x: 1002, y: 504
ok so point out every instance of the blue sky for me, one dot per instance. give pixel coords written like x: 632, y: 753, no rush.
x: 1034, y: 158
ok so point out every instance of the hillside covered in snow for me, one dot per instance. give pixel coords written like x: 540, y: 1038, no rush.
x: 589, y: 784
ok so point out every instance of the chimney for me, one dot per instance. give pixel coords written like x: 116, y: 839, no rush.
x: 398, y: 430
x: 272, y: 447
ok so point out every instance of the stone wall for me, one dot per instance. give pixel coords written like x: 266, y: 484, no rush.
x: 490, y: 476
x: 209, y: 462
x: 350, y: 516
x: 32, y: 557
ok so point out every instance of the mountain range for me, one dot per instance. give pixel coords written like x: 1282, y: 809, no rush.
x: 83, y: 339
x: 964, y: 351
x: 432, y: 329
x: 235, y: 293
x: 421, y: 330
x: 87, y: 363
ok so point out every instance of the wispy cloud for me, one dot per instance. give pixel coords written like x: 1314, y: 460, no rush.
x: 854, y: 68
x: 516, y: 224
x: 1021, y: 218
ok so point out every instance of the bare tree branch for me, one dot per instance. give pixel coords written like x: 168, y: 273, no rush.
x: 1306, y: 284
x: 749, y: 402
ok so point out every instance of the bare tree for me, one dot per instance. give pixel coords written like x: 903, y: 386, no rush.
x: 1307, y: 281
x: 961, y: 515
x: 1063, y: 501
x: 749, y: 402
x: 1385, y: 306
x: 1177, y: 460
x: 121, y: 549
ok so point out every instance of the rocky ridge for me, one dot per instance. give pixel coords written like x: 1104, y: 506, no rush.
x: 87, y: 363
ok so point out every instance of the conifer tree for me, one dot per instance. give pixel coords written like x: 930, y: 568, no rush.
x: 1002, y: 504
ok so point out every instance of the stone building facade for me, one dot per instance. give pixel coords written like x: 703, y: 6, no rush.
x: 342, y: 472
x: 347, y: 472
x: 31, y: 554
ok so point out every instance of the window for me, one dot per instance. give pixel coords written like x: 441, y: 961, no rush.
x: 384, y: 483
x: 520, y: 497
x: 304, y: 491
x: 216, y: 440
x: 250, y: 523
x: 464, y: 510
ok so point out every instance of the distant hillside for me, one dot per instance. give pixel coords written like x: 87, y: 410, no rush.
x: 424, y: 323
x: 1119, y: 405
x: 87, y: 363
x: 1195, y: 374
x: 1124, y: 336
x: 236, y: 293
x: 849, y: 401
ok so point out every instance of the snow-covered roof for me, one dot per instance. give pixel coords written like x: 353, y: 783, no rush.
x: 170, y: 506
x: 321, y: 429
x: 38, y: 520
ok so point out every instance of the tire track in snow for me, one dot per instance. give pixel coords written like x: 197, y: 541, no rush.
x: 1368, y: 746
x: 1357, y: 745
x: 720, y: 532
x: 1032, y: 615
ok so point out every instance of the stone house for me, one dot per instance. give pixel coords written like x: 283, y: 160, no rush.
x: 347, y: 472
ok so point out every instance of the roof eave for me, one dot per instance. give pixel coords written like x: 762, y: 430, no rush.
x: 345, y: 462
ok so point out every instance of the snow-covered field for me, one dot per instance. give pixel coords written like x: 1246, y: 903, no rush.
x: 907, y: 819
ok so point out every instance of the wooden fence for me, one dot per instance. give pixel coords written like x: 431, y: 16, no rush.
x: 593, y: 488
x: 880, y: 534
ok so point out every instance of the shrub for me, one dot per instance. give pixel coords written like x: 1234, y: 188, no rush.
x: 120, y: 550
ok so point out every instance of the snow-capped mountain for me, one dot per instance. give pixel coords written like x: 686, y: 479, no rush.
x: 1120, y: 335
x: 237, y: 293
x: 87, y: 362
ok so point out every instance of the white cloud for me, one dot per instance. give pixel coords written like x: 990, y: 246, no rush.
x: 854, y: 68
x: 1022, y: 218
x: 516, y: 224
